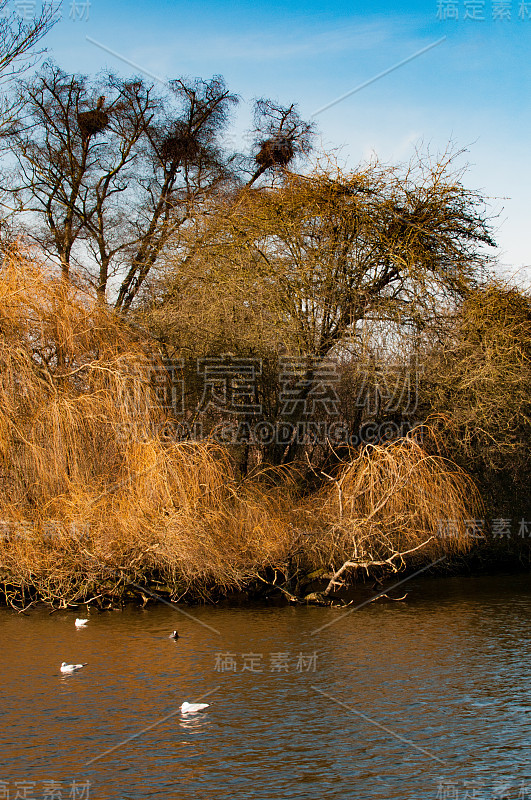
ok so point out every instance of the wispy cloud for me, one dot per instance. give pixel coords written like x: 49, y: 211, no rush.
x: 302, y: 42
x: 274, y: 44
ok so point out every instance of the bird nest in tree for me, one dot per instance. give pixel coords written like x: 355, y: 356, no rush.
x: 91, y: 122
x: 180, y: 146
x: 275, y: 152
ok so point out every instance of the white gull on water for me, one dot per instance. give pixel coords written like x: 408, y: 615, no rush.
x: 71, y: 667
x: 191, y: 708
x: 80, y: 623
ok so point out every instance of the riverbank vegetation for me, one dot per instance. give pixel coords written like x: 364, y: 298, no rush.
x: 227, y: 371
x: 99, y: 502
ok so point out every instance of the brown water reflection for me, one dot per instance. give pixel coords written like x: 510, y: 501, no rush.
x: 447, y: 670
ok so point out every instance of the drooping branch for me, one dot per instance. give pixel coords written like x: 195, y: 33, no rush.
x: 366, y: 564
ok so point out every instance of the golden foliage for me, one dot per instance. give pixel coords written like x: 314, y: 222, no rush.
x: 92, y: 494
x: 389, y: 500
x: 95, y: 499
x: 477, y: 384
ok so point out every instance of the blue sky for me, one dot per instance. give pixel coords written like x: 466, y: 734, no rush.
x: 473, y: 89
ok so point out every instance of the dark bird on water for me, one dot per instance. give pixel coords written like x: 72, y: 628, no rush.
x: 174, y: 635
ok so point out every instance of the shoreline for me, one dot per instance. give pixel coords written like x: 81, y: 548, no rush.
x: 491, y: 559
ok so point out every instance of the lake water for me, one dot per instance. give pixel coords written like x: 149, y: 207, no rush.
x: 425, y: 698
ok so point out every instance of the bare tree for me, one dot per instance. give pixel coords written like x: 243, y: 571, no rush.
x: 17, y: 49
x: 186, y: 164
x: 75, y: 159
x: 111, y: 171
x: 18, y: 38
x: 280, y: 136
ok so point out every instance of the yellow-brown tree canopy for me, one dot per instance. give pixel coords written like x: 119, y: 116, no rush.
x: 326, y: 250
